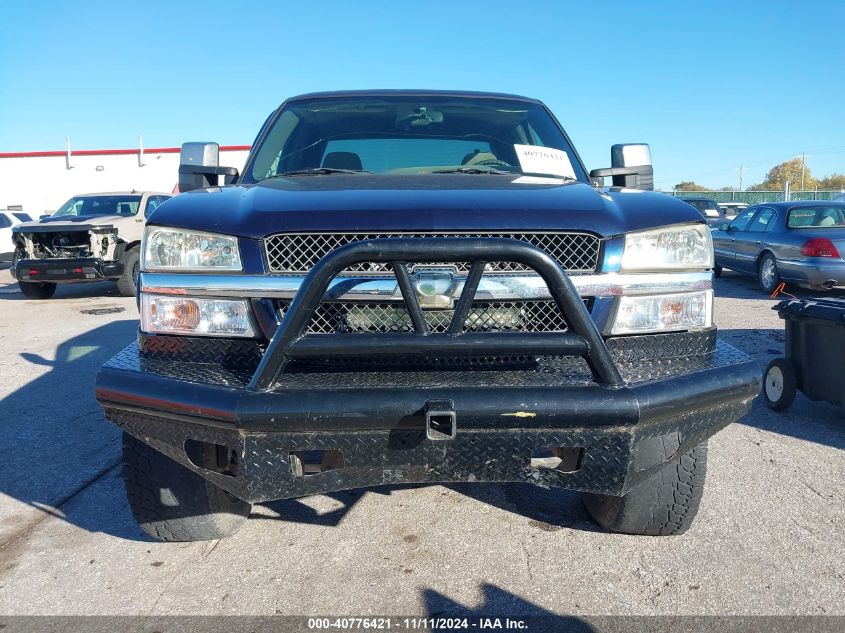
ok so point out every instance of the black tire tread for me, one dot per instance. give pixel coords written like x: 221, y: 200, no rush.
x: 663, y: 505
x: 126, y: 281
x: 37, y: 290
x: 201, y: 512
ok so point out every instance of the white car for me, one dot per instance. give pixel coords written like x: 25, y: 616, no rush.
x: 91, y: 237
x: 732, y: 209
x: 8, y: 219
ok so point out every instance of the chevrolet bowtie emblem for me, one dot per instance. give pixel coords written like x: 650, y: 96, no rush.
x: 434, y: 289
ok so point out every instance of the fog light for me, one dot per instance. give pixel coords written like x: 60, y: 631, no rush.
x: 187, y: 315
x: 664, y: 313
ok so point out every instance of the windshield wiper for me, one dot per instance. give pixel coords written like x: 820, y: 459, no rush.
x: 320, y: 171
x: 529, y: 174
x: 474, y: 170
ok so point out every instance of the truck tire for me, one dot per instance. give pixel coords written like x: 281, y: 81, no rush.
x: 663, y: 505
x: 172, y: 503
x: 127, y: 281
x: 37, y: 290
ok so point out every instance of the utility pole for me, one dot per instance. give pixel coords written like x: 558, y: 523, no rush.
x: 741, y: 169
x: 68, y: 163
x: 803, y: 165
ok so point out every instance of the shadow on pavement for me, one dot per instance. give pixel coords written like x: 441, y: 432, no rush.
x: 549, y: 510
x: 9, y: 290
x: 297, y: 511
x: 499, y: 603
x: 54, y: 437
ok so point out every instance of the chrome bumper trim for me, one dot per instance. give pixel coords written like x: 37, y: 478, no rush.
x: 492, y: 287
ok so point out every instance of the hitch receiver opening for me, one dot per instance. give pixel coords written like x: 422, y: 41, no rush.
x: 440, y: 420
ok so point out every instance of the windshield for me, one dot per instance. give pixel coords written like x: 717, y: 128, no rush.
x: 706, y: 207
x: 99, y: 205
x: 414, y: 135
x: 817, y: 217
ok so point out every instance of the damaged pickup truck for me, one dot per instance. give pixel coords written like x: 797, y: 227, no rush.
x: 410, y: 287
x: 90, y: 238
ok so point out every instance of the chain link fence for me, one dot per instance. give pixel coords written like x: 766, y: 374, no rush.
x: 754, y: 197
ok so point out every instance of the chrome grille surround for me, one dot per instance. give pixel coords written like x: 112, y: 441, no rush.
x: 296, y: 253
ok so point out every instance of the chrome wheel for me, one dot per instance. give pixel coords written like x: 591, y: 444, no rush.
x: 768, y: 273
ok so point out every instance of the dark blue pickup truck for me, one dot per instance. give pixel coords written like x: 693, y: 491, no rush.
x: 418, y: 286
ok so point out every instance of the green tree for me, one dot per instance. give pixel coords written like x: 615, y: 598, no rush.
x: 834, y: 181
x: 786, y: 171
x: 689, y: 185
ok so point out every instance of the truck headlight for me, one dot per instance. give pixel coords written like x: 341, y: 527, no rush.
x: 676, y: 247
x: 183, y: 250
x: 663, y: 313
x: 192, y: 315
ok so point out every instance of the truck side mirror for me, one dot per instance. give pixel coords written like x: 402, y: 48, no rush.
x: 199, y: 166
x: 630, y: 167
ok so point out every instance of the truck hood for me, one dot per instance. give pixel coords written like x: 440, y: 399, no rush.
x: 70, y: 222
x: 418, y: 203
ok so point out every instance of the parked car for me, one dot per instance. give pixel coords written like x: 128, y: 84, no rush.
x: 8, y: 219
x: 795, y: 242
x: 839, y: 198
x: 732, y: 209
x: 713, y: 214
x: 90, y: 238
x: 419, y: 286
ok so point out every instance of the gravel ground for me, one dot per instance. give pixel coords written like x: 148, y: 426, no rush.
x: 769, y: 539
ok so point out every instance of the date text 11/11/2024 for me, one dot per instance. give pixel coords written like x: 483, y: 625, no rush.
x: 418, y: 624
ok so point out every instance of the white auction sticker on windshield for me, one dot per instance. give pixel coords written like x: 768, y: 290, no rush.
x: 534, y: 159
x: 538, y: 180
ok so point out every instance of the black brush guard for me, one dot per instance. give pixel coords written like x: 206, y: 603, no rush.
x: 379, y: 427
x: 582, y: 338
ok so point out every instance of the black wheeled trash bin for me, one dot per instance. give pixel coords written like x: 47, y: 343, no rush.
x: 815, y: 353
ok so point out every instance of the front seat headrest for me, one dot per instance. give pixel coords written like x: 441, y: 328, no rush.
x: 343, y: 160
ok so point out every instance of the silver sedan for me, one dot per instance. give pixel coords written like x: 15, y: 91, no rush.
x: 796, y: 242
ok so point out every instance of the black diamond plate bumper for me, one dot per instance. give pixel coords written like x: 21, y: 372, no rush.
x: 376, y: 419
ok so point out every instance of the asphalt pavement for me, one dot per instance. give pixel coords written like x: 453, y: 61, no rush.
x: 769, y: 538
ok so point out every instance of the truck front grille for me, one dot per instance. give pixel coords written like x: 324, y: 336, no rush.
x: 296, y: 253
x: 336, y: 317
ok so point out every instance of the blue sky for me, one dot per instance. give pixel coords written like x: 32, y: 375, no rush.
x: 709, y: 85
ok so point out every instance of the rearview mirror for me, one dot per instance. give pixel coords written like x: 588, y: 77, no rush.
x: 199, y: 166
x: 630, y: 167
